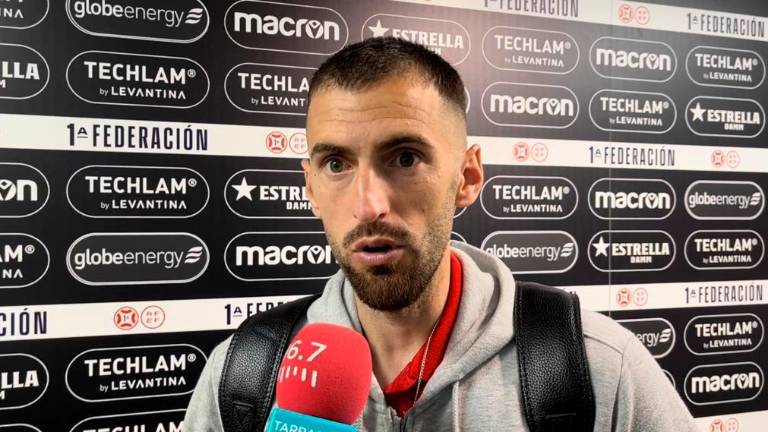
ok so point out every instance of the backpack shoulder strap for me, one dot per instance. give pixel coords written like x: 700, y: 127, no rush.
x: 247, y: 387
x: 554, y: 374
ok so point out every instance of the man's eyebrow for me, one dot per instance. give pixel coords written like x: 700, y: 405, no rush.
x: 325, y: 148
x: 401, y: 139
x: 321, y: 148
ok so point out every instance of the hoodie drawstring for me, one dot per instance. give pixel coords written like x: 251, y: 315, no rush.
x: 456, y: 413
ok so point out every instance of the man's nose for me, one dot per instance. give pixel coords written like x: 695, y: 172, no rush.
x: 372, y: 201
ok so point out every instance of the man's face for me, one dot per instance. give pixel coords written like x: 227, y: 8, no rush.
x: 384, y: 169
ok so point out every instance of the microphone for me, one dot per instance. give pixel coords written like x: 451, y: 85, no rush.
x: 323, y: 380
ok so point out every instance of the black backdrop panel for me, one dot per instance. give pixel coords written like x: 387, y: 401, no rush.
x: 151, y: 196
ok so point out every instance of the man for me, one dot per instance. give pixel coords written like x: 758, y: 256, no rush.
x: 388, y: 165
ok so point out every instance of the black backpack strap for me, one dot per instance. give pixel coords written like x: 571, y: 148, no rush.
x: 554, y: 375
x: 247, y: 387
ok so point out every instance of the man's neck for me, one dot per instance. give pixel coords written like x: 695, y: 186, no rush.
x: 396, y: 336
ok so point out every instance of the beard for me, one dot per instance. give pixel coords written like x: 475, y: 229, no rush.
x: 395, y: 287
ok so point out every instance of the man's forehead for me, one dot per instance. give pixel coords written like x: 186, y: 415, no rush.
x: 404, y: 98
x: 371, y: 116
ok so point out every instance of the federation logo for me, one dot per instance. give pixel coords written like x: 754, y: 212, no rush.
x: 137, y: 258
x: 632, y: 59
x: 632, y: 111
x: 724, y: 249
x: 118, y: 191
x: 268, y: 194
x: 724, y: 200
x: 268, y: 89
x: 723, y: 383
x: 284, y: 27
x: 529, y: 105
x: 152, y: 317
x: 725, y: 333
x: 126, y: 318
x: 268, y: 256
x: 127, y: 79
x: 180, y: 21
x: 23, y: 380
x: 136, y: 372
x: 537, y: 252
x: 448, y: 39
x: 24, y: 72
x: 725, y: 117
x: 276, y: 142
x: 631, y: 250
x: 725, y: 67
x: 24, y: 190
x: 631, y: 198
x: 522, y: 197
x: 530, y: 50
x: 23, y: 14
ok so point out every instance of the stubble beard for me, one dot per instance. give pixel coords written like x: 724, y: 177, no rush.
x: 395, y: 287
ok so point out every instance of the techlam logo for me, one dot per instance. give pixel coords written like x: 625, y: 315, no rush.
x: 23, y: 380
x: 631, y: 198
x: 20, y: 14
x: 180, y: 21
x: 529, y: 105
x: 657, y: 334
x: 449, y: 39
x: 284, y: 27
x: 530, y: 50
x: 137, y: 258
x: 138, y: 372
x: 724, y: 200
x: 725, y: 117
x: 522, y: 197
x: 631, y: 250
x: 723, y: 383
x: 725, y: 333
x: 724, y: 249
x: 151, y: 421
x: 127, y: 79
x: 632, y: 111
x: 119, y: 191
x: 268, y: 89
x: 24, y: 260
x: 725, y: 67
x: 24, y: 190
x: 268, y: 194
x: 266, y: 256
x: 24, y: 72
x: 533, y: 251
x: 632, y: 59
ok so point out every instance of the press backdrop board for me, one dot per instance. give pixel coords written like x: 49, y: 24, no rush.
x: 151, y: 196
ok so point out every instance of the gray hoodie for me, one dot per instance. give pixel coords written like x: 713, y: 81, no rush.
x: 476, y: 388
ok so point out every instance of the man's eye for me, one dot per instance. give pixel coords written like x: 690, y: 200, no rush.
x: 335, y: 165
x: 407, y: 159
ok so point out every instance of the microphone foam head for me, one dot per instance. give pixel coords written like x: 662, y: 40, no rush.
x: 326, y: 372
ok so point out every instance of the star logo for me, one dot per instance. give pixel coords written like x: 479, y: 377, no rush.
x: 601, y: 247
x: 378, y: 30
x: 244, y: 190
x: 698, y: 112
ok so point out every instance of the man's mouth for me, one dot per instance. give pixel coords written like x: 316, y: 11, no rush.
x: 376, y: 251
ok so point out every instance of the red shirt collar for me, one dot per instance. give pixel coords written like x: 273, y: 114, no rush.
x: 401, y: 392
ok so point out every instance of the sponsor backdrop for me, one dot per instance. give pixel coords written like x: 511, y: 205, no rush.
x: 151, y: 198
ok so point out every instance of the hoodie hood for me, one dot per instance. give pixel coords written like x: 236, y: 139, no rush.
x: 483, y: 325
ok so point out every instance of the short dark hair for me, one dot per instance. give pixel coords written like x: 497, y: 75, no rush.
x: 363, y: 64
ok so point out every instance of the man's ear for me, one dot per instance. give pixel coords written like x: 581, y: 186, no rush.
x: 308, y: 185
x: 471, y: 177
